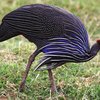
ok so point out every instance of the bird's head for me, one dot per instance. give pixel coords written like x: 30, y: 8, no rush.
x: 98, y: 42
x: 95, y: 48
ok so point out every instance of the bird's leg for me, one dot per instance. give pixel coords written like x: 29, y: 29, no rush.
x: 52, y: 82
x: 31, y: 59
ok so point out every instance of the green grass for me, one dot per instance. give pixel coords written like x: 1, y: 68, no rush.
x: 74, y: 81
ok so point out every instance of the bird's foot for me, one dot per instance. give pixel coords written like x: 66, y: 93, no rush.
x: 53, y: 93
x: 53, y: 90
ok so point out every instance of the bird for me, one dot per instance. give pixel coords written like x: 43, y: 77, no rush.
x: 58, y: 33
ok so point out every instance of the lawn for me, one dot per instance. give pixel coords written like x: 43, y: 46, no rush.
x: 74, y: 81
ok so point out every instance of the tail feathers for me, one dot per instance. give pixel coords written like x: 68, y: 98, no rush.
x: 1, y: 33
x: 6, y: 32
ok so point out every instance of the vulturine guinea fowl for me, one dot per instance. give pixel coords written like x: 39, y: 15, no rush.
x: 60, y: 35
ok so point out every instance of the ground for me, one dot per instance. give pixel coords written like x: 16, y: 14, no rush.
x: 74, y: 81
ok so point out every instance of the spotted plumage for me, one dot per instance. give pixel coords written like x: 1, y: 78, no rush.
x: 57, y: 33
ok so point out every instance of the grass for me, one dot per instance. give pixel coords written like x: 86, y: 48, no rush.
x: 74, y: 81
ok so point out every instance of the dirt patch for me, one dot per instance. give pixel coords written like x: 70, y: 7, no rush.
x: 3, y: 98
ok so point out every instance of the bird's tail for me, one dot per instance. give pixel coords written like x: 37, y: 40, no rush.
x: 6, y: 32
x: 1, y: 34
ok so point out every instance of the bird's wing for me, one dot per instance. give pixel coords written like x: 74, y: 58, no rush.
x: 47, y: 22
x: 38, y: 21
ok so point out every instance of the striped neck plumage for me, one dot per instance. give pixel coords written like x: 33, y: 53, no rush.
x: 95, y: 49
x: 64, y: 50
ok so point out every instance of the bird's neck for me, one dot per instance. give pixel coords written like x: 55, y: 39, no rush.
x: 93, y: 51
